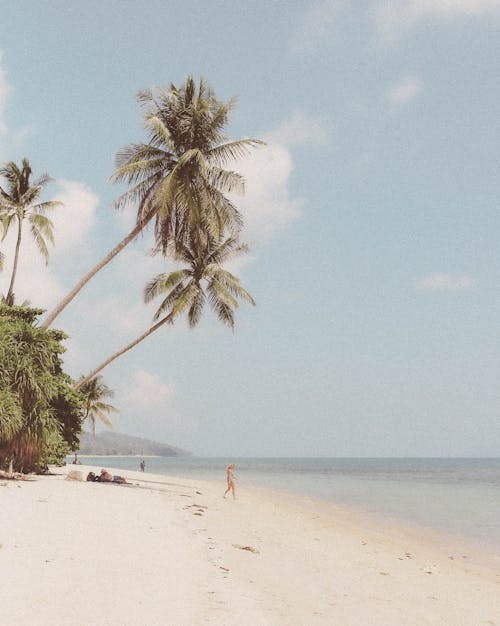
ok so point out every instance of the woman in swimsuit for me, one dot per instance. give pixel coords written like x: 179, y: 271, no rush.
x: 230, y: 477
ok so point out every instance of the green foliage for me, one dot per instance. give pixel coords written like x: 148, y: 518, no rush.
x: 54, y: 451
x: 11, y: 415
x: 29, y: 315
x: 94, y: 391
x: 68, y: 406
x: 19, y: 201
x: 40, y: 412
x: 186, y: 290
x: 178, y: 176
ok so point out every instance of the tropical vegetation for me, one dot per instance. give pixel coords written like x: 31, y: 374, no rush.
x: 94, y: 392
x: 186, y: 290
x: 40, y: 410
x: 19, y: 202
x: 180, y: 180
x: 178, y: 177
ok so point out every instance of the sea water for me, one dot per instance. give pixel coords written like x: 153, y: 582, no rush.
x: 460, y: 496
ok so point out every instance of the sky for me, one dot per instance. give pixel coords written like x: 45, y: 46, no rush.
x: 372, y: 216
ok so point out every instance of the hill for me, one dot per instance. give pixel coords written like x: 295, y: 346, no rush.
x: 111, y: 443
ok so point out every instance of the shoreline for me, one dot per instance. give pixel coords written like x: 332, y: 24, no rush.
x: 483, y: 534
x: 486, y: 551
x: 167, y: 549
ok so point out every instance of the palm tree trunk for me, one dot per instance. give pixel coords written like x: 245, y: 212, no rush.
x: 128, y: 347
x: 10, y: 292
x: 79, y: 286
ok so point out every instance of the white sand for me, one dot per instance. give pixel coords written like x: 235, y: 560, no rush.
x: 169, y: 552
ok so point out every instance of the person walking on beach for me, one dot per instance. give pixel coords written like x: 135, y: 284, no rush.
x: 230, y: 477
x: 143, y: 465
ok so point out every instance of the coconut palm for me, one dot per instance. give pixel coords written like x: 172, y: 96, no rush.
x: 19, y: 201
x: 95, y: 409
x: 187, y: 290
x: 178, y: 177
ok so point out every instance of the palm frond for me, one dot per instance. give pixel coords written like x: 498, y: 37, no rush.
x: 226, y: 181
x: 196, y: 308
x: 101, y: 415
x: 104, y: 406
x: 168, y: 302
x: 41, y: 230
x: 233, y: 150
x: 162, y: 283
x: 183, y: 300
x: 160, y: 134
x: 45, y: 206
x: 6, y: 221
x: 218, y: 292
x: 223, y: 309
x: 42, y: 181
x: 230, y: 282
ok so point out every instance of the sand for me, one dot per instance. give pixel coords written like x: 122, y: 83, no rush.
x: 168, y: 551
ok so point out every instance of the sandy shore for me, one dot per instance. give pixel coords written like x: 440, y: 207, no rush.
x: 172, y: 552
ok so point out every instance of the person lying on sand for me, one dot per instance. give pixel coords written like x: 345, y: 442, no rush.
x: 105, y: 477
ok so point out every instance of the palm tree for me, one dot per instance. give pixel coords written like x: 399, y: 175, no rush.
x: 187, y: 290
x: 94, y: 391
x: 178, y: 176
x: 19, y: 201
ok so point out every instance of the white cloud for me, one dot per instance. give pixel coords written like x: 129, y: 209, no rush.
x: 316, y: 24
x: 146, y: 390
x: 407, y: 89
x: 267, y: 206
x: 301, y: 129
x: 35, y: 281
x: 446, y: 282
x: 395, y: 17
x: 74, y: 221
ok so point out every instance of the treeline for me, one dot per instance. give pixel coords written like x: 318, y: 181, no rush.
x: 179, y: 181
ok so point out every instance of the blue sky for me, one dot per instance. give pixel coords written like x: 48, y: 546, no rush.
x: 372, y: 215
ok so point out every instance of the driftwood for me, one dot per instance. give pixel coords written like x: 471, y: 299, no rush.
x: 14, y: 475
x: 247, y: 548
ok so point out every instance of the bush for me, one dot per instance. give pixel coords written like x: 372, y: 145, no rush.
x: 40, y: 411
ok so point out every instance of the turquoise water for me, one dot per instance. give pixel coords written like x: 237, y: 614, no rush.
x: 451, y: 495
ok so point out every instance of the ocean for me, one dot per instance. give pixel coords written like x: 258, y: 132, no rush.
x: 453, y: 495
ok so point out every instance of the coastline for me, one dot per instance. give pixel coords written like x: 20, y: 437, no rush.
x: 171, y: 550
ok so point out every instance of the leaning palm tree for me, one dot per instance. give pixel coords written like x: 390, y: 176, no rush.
x: 187, y: 290
x: 95, y: 409
x: 19, y: 201
x: 178, y: 177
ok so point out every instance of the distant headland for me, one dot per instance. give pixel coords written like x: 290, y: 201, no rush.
x: 118, y: 444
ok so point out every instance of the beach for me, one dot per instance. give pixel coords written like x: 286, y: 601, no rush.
x: 171, y: 551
